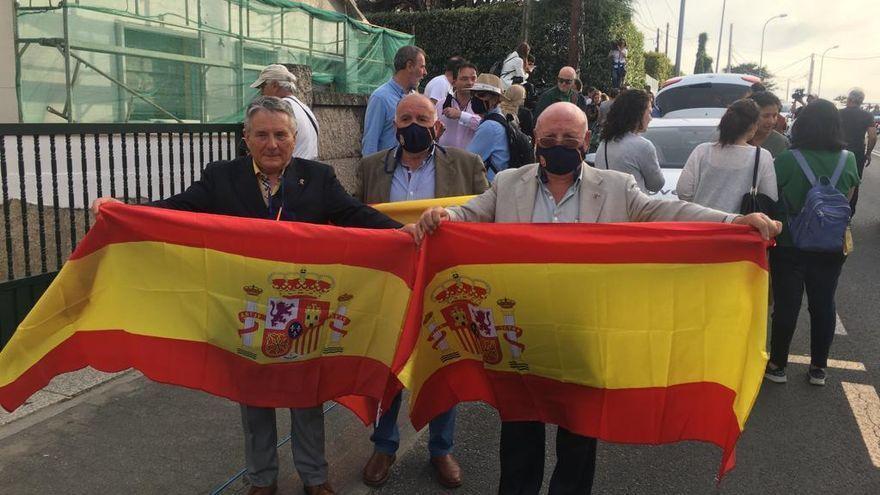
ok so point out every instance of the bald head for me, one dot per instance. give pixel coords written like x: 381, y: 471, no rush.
x: 415, y: 108
x: 566, y: 77
x: 563, y: 120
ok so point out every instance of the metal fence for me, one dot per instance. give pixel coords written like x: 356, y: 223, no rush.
x: 50, y: 174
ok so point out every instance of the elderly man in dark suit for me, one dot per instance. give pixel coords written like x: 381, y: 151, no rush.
x: 417, y: 168
x: 270, y: 184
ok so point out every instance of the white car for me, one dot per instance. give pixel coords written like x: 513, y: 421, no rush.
x: 701, y: 95
x: 674, y: 140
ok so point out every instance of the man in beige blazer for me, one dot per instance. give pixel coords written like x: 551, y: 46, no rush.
x: 560, y: 188
x: 417, y: 168
x: 425, y: 170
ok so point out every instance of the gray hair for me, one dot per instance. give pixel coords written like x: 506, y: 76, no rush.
x: 288, y: 86
x: 268, y: 104
x: 407, y: 53
x: 857, y: 96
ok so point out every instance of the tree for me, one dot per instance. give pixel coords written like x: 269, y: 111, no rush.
x: 658, y: 66
x: 752, y: 69
x: 840, y: 99
x: 704, y: 61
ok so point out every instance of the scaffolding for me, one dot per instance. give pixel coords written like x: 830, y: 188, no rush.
x: 182, y: 60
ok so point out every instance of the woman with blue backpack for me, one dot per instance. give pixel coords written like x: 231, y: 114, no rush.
x: 815, y: 178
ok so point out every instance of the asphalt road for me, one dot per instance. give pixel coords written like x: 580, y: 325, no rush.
x: 135, y: 436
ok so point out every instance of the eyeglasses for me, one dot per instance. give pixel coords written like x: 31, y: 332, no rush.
x: 565, y: 81
x: 566, y: 142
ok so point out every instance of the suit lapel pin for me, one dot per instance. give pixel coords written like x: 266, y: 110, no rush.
x: 302, y: 182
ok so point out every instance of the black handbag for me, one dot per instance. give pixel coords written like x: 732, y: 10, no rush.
x: 753, y: 201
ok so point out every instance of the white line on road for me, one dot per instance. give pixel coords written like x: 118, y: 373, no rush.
x: 865, y: 406
x: 839, y: 329
x: 832, y: 363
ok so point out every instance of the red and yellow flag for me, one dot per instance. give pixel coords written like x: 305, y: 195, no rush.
x: 266, y: 313
x: 636, y: 333
x: 632, y: 333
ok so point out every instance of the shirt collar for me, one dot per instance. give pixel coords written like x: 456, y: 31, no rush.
x: 259, y: 172
x: 398, y: 154
x: 396, y: 87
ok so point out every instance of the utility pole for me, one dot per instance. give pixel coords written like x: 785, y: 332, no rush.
x: 729, y: 46
x: 787, y: 86
x: 810, y: 80
x: 657, y: 44
x: 666, y: 48
x: 720, y: 38
x: 680, y: 39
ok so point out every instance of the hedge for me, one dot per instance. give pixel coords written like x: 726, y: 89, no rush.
x: 486, y: 34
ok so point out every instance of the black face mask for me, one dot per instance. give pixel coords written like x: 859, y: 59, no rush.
x: 559, y: 160
x: 415, y: 138
x: 478, y: 106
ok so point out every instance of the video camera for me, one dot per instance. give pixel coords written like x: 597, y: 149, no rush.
x: 798, y: 95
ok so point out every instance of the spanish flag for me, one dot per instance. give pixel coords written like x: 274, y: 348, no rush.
x: 632, y: 333
x: 410, y: 211
x: 270, y: 314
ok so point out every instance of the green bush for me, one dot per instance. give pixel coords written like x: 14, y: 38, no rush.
x: 488, y: 33
x: 658, y: 66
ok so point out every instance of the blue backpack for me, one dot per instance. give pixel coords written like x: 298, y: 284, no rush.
x: 821, y: 223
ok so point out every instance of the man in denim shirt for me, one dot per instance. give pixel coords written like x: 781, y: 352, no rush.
x: 379, y: 130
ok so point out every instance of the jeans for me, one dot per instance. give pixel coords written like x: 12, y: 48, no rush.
x: 618, y: 75
x: 860, y: 165
x: 441, y: 431
x: 522, y: 460
x: 792, y: 271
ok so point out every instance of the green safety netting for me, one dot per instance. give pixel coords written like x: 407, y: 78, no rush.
x: 190, y: 60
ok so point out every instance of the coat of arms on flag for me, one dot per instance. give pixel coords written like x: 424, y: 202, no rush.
x: 295, y: 316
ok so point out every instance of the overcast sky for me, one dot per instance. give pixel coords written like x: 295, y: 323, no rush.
x: 812, y: 26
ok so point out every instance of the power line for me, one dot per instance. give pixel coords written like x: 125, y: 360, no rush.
x: 854, y: 58
x: 651, y: 14
x: 669, y: 8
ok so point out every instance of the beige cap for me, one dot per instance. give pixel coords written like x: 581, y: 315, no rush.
x: 487, y: 82
x: 274, y: 72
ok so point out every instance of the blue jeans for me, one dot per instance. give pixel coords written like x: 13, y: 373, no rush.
x: 386, y: 436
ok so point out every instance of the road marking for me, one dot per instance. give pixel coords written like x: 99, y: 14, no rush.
x: 832, y: 363
x: 865, y: 406
x: 839, y: 329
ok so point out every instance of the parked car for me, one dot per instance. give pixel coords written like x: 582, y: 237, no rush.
x: 701, y: 95
x: 674, y: 140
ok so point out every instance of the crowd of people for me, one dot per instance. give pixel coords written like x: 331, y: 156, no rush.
x: 470, y: 133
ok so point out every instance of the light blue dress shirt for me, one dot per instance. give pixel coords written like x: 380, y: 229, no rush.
x: 490, y: 142
x: 379, y: 131
x: 407, y: 185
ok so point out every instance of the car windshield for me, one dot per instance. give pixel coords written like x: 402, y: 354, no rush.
x: 675, y: 144
x: 704, y: 95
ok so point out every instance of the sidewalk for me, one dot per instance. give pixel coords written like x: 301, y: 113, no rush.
x: 90, y: 432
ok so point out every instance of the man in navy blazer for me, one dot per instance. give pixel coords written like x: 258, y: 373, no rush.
x: 270, y: 184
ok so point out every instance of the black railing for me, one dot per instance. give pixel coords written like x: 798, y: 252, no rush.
x: 50, y: 174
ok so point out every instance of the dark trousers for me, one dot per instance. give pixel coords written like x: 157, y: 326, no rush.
x: 522, y: 460
x: 792, y: 271
x: 618, y: 75
x: 860, y: 164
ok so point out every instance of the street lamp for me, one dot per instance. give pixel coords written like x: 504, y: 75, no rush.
x: 761, y: 57
x: 822, y: 66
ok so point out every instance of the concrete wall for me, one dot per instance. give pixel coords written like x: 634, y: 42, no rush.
x: 8, y: 101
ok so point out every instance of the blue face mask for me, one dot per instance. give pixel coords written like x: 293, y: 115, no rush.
x: 559, y: 160
x: 415, y: 138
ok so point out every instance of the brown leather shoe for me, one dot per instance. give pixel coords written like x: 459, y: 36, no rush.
x: 322, y: 489
x: 378, y: 468
x: 263, y: 490
x: 448, y: 470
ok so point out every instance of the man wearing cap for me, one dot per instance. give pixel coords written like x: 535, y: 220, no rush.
x: 416, y: 169
x: 562, y: 189
x: 277, y: 81
x: 490, y: 140
x: 564, y: 91
x: 379, y: 131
